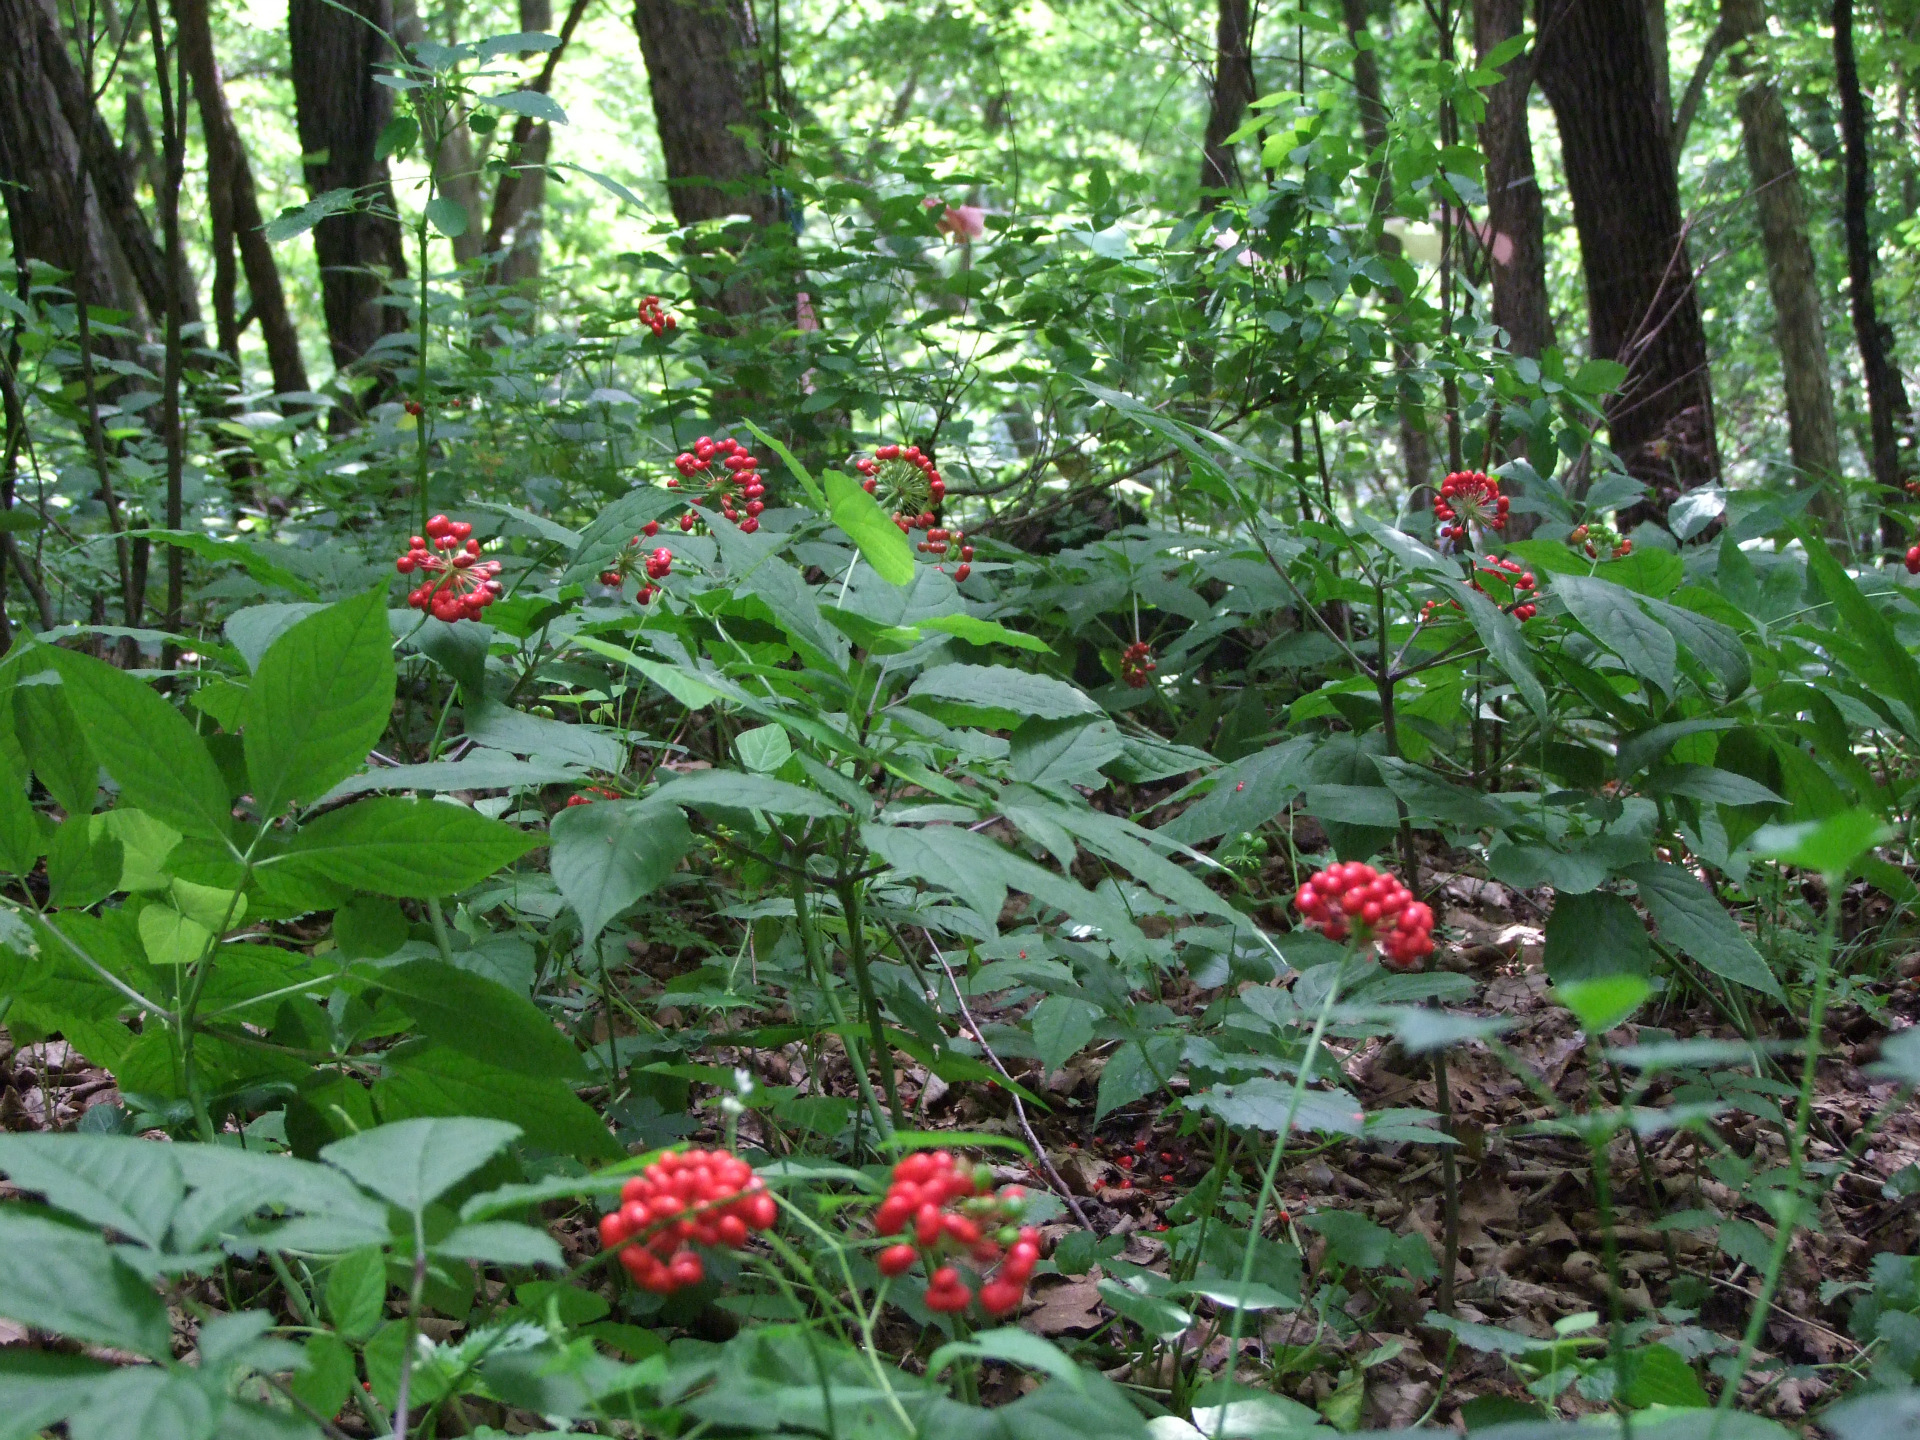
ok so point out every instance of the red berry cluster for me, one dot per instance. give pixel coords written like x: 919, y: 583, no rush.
x: 630, y: 561
x: 654, y: 318
x: 1136, y: 664
x: 706, y: 1197
x: 1375, y: 904
x: 1469, y: 495
x: 414, y: 408
x: 951, y: 1206
x: 736, y: 487
x: 939, y: 541
x: 1521, y: 582
x: 1594, y: 538
x: 466, y: 584
x: 586, y: 796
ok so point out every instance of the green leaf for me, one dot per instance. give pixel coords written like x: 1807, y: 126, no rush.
x: 933, y: 855
x: 1612, y: 615
x: 412, y: 1163
x: 440, y: 1081
x: 83, y: 865
x: 689, y: 689
x: 1693, y: 920
x: 356, y: 1293
x: 1137, y: 1069
x: 1705, y: 782
x: 1657, y: 1375
x: 328, y: 1377
x: 1830, y: 846
x: 1013, y: 1345
x: 763, y: 749
x: 1603, y: 1002
x: 56, y: 747
x: 297, y: 220
x: 448, y: 216
x: 253, y: 630
x: 1062, y: 1026
x: 231, y: 552
x: 734, y: 790
x: 799, y: 471
x: 1878, y: 657
x: 38, y: 1389
x: 469, y: 1012
x: 1060, y: 754
x: 1160, y: 1318
x: 320, y: 699
x: 117, y: 1182
x: 1593, y: 935
x: 609, y: 854
x: 1245, y: 794
x: 530, y: 103
x: 419, y: 849
x: 1265, y: 1103
x: 502, y: 1242
x: 1888, y: 1415
x: 1000, y: 688
x: 497, y: 726
x: 882, y: 543
x: 146, y: 745
x: 751, y: 562
x: 460, y: 648
x: 68, y: 1281
x: 976, y: 631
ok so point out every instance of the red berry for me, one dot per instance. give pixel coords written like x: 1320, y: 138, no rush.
x: 897, y: 1260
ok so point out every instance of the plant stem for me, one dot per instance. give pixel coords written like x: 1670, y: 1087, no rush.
x: 854, y: 914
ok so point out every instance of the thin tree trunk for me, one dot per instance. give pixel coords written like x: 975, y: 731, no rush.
x: 523, y: 211
x: 173, y: 159
x: 1887, y: 411
x: 340, y: 113
x: 1515, y: 211
x: 509, y: 204
x: 703, y: 64
x: 1416, y: 451
x: 112, y: 179
x: 1791, y: 278
x: 1595, y: 60
x: 1233, y: 90
x: 233, y: 198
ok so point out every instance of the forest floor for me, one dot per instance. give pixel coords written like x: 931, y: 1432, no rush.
x: 1531, y: 1241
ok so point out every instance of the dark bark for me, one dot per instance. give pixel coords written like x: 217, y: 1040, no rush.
x: 702, y: 59
x: 49, y: 215
x: 1416, y: 451
x: 1887, y: 410
x: 1521, y: 303
x: 1595, y: 60
x: 520, y: 209
x: 173, y: 160
x: 1792, y: 281
x: 1233, y: 90
x: 235, y: 204
x: 340, y: 113
x: 111, y: 178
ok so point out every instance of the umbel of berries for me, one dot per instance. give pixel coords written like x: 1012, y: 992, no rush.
x: 950, y: 1210
x: 1506, y: 572
x: 456, y: 583
x: 1469, y: 497
x: 1595, y: 538
x: 1137, y: 664
x: 693, y: 1197
x: 634, y: 559
x: 654, y: 318
x: 1369, y: 904
x: 730, y: 479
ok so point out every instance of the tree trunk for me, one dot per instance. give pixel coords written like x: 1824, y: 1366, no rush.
x: 1515, y: 212
x: 49, y: 216
x: 1595, y: 61
x: 1791, y: 278
x: 233, y: 199
x: 1416, y: 453
x: 1887, y: 412
x: 113, y: 180
x: 525, y: 205
x: 340, y: 113
x: 1233, y: 91
x: 702, y: 57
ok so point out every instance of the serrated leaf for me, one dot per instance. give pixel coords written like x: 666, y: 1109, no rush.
x: 448, y: 216
x: 446, y: 1082
x: 69, y: 1282
x: 530, y: 103
x: 465, y: 1011
x: 412, y: 1163
x: 321, y: 697
x: 609, y: 854
x: 998, y: 687
x: 1693, y: 920
x: 415, y: 849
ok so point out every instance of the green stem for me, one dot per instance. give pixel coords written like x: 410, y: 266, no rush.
x: 854, y: 914
x: 1787, y: 1221
x: 823, y: 977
